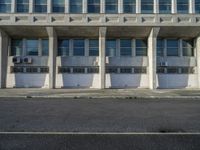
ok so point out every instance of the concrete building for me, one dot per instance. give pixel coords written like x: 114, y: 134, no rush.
x: 100, y: 43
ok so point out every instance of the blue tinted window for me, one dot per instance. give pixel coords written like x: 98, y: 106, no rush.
x: 79, y: 47
x: 111, y: 6
x: 76, y: 6
x: 141, y: 47
x: 32, y: 47
x: 147, y: 6
x: 188, y: 48
x: 63, y: 47
x: 22, y: 6
x: 94, y: 47
x: 182, y: 6
x: 41, y: 6
x: 93, y: 6
x: 45, y: 47
x: 197, y: 6
x: 129, y: 6
x: 172, y: 47
x: 160, y: 47
x: 126, y: 47
x: 5, y: 6
x: 111, y: 48
x: 16, y: 47
x: 58, y: 6
x: 164, y: 6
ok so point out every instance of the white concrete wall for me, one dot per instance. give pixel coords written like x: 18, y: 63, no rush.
x: 171, y: 81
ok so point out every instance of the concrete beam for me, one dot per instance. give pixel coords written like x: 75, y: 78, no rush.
x: 4, y: 42
x: 52, y: 56
x: 152, y: 46
x: 102, y: 56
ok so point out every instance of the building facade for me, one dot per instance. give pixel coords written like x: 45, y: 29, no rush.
x: 100, y: 44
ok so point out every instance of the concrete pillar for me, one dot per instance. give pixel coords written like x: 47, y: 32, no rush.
x: 156, y: 7
x: 138, y: 6
x: 152, y: 46
x: 31, y: 6
x: 52, y: 56
x: 84, y: 6
x: 198, y: 59
x: 120, y: 6
x: 4, y: 42
x: 102, y: 6
x: 191, y: 6
x: 102, y: 56
x: 174, y: 6
x: 13, y: 6
x: 66, y: 6
x: 49, y: 6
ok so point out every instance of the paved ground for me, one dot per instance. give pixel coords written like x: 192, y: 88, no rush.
x: 95, y: 93
x: 99, y: 115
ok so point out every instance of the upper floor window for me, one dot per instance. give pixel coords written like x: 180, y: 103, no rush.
x: 141, y: 47
x: 182, y: 6
x: 93, y: 6
x: 32, y: 47
x: 197, y: 6
x: 111, y: 6
x: 160, y: 47
x: 40, y: 6
x: 79, y: 47
x: 164, y: 6
x: 22, y: 6
x: 147, y: 6
x: 16, y: 47
x: 58, y: 6
x: 129, y: 6
x: 126, y: 47
x: 63, y: 47
x: 45, y: 47
x: 76, y: 6
x: 93, y: 47
x: 111, y: 47
x: 5, y: 6
x: 172, y: 47
x: 188, y: 48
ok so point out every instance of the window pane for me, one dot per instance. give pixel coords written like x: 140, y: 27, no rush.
x: 182, y: 6
x: 147, y: 6
x: 164, y: 6
x: 5, y: 6
x: 188, y: 48
x: 111, y: 6
x: 111, y: 48
x: 125, y: 48
x: 94, y: 47
x: 79, y: 47
x: 58, y: 6
x: 32, y: 47
x: 63, y: 47
x: 76, y: 6
x: 141, y: 47
x: 197, y: 6
x: 129, y: 6
x: 16, y: 47
x: 160, y: 47
x: 45, y: 47
x: 93, y: 6
x: 172, y: 47
x: 22, y: 5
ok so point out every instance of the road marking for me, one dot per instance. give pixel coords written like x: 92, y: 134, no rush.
x: 100, y: 133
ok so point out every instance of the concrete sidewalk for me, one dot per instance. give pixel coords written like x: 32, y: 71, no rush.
x: 95, y: 93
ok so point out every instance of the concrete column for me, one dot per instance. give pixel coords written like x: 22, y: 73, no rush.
x: 4, y: 42
x: 152, y: 45
x: 174, y: 6
x: 49, y: 6
x: 120, y: 6
x: 156, y: 7
x: 102, y: 6
x: 102, y: 56
x: 84, y: 6
x: 138, y: 6
x: 52, y: 56
x: 31, y: 6
x: 13, y: 6
x: 198, y: 59
x: 66, y: 6
x: 191, y: 6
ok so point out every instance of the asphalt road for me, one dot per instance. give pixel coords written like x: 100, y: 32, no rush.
x: 109, y: 115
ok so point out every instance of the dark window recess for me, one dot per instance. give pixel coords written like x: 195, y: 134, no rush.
x: 187, y: 70
x: 140, y: 70
x: 64, y: 70
x: 16, y: 70
x: 172, y: 70
x: 161, y: 70
x: 126, y: 70
x: 32, y: 70
x: 93, y: 70
x: 23, y: 69
x: 44, y: 70
x: 111, y: 70
x: 79, y: 70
